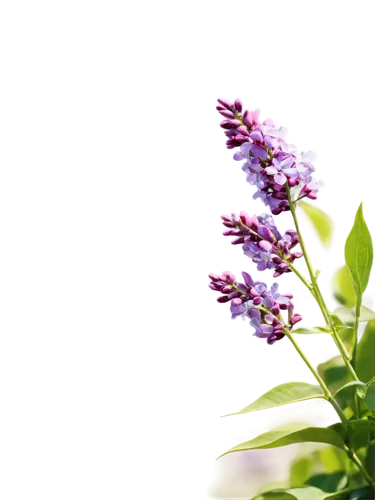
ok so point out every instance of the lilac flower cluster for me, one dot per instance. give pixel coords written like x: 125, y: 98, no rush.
x: 252, y: 299
x: 271, y: 164
x: 262, y: 242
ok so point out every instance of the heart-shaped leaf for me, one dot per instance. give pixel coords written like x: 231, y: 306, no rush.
x: 290, y: 392
x: 359, y: 253
x: 291, y: 435
x: 322, y: 223
x: 365, y: 366
x: 343, y: 287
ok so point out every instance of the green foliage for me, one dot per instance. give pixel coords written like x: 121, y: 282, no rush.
x: 322, y: 223
x: 283, y: 394
x: 359, y: 253
x: 303, y: 493
x: 359, y: 433
x: 314, y: 329
x: 334, y: 373
x: 370, y: 395
x: 347, y: 315
x: 290, y: 435
x: 365, y: 365
x: 343, y: 287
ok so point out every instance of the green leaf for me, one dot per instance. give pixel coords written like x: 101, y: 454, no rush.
x: 347, y: 315
x: 283, y: 394
x: 322, y: 223
x: 364, y: 493
x: 359, y: 253
x: 303, y: 493
x: 370, y: 396
x: 286, y: 436
x: 300, y: 471
x: 365, y: 362
x: 334, y: 373
x: 350, y: 388
x: 370, y: 460
x: 328, y: 482
x: 314, y: 329
x: 359, y: 433
x: 343, y: 287
x: 333, y: 459
x: 275, y: 484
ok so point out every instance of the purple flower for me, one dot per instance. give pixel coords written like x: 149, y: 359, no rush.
x: 272, y: 165
x: 252, y: 299
x: 262, y: 242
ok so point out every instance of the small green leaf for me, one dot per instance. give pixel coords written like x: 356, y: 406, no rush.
x: 322, y: 223
x: 283, y: 394
x: 370, y: 396
x: 359, y: 433
x: 359, y: 253
x: 350, y: 388
x: 314, y: 329
x: 365, y: 365
x: 284, y: 437
x: 343, y: 287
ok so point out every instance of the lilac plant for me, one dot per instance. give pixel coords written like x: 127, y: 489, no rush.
x: 283, y: 177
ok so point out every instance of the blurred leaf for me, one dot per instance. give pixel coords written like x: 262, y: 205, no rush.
x: 274, y: 485
x: 359, y: 433
x: 322, y: 223
x: 283, y: 394
x: 347, y: 335
x: 334, y: 459
x: 303, y: 493
x: 329, y: 482
x: 359, y: 253
x: 346, y: 393
x: 334, y: 373
x: 364, y: 493
x: 370, y: 460
x: 370, y: 396
x: 284, y: 437
x: 365, y: 365
x: 347, y: 315
x: 343, y: 287
x: 300, y: 471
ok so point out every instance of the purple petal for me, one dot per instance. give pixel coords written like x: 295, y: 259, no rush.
x: 266, y: 233
x: 248, y: 279
x: 271, y: 170
x: 259, y: 152
x: 256, y: 135
x: 280, y: 178
x: 265, y: 245
x: 291, y: 172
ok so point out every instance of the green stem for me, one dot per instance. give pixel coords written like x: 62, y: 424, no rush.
x: 315, y: 290
x: 358, y: 463
x: 306, y: 361
x: 355, y: 331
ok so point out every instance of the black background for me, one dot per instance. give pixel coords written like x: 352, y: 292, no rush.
x: 223, y: 367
